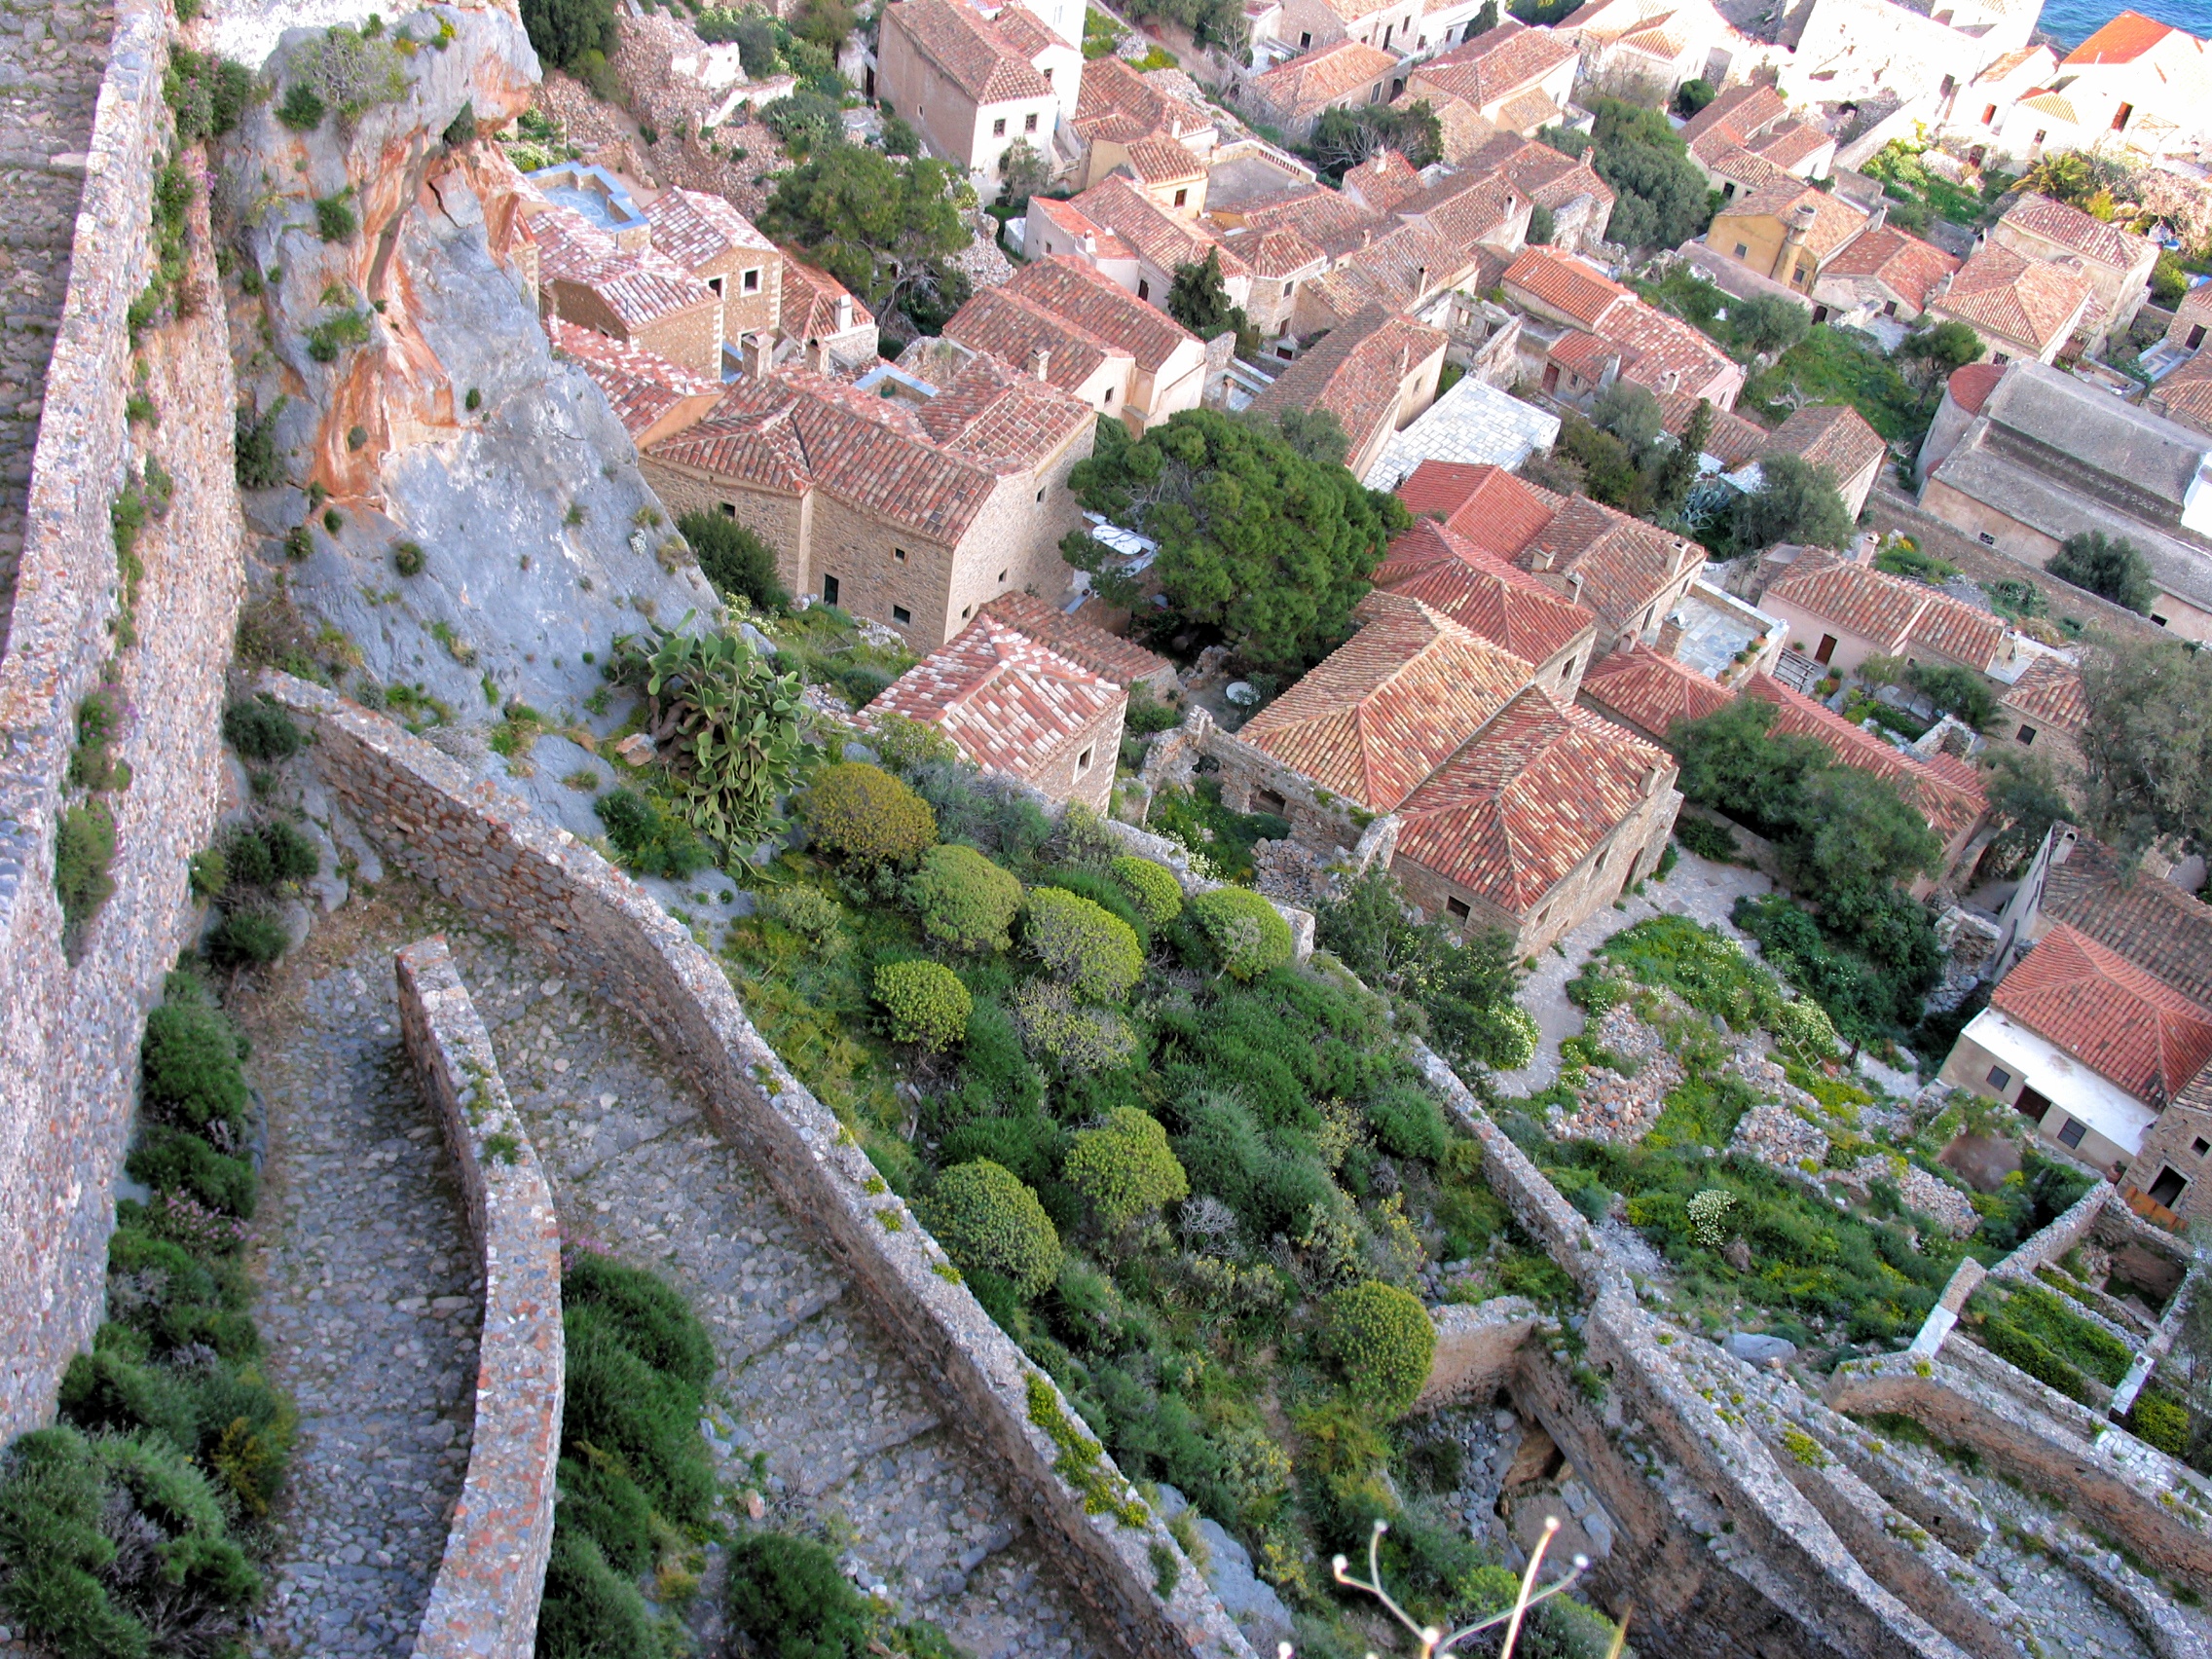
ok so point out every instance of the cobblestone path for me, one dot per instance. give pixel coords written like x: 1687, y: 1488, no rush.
x: 370, y: 1298
x: 850, y: 1444
x: 51, y: 55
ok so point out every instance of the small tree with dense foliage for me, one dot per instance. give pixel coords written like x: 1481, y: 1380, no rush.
x: 1090, y: 948
x: 2111, y: 566
x: 1198, y: 299
x: 1795, y: 501
x: 884, y: 226
x: 963, y: 899
x: 926, y: 1003
x: 1382, y: 1338
x: 2147, y: 750
x: 863, y: 815
x: 562, y: 31
x: 1246, y: 932
x: 989, y: 1222
x: 1124, y: 1167
x: 1152, y: 887
x: 735, y: 559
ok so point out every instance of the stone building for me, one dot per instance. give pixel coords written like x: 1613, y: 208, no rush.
x: 1835, y: 438
x: 635, y: 295
x: 1120, y: 121
x: 816, y: 313
x: 1755, y: 119
x: 2116, y: 263
x: 1510, y: 78
x: 1587, y: 331
x: 974, y: 87
x: 1373, y: 373
x: 652, y: 397
x: 718, y: 245
x: 2047, y: 710
x: 2135, y: 908
x: 1881, y: 272
x: 2136, y: 84
x: 1453, y: 576
x: 1131, y: 239
x: 1567, y: 188
x: 1292, y: 96
x: 1841, y: 612
x: 1776, y: 226
x: 2023, y: 309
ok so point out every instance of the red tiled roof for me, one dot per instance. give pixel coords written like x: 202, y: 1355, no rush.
x: 1026, y: 32
x: 1890, y: 610
x: 1649, y: 691
x: 642, y: 387
x: 2050, y: 691
x: 1375, y: 715
x: 1481, y: 592
x: 1567, y: 285
x: 1969, y: 388
x: 1584, y: 354
x: 1115, y: 103
x: 1276, y: 255
x: 1732, y: 117
x: 1328, y: 219
x: 1624, y: 564
x: 1438, y: 487
x: 1537, y: 172
x: 1731, y: 440
x: 1011, y: 703
x: 1907, y: 266
x: 1384, y: 181
x: 1791, y: 143
x: 1110, y: 656
x: 1951, y: 804
x: 974, y: 54
x: 807, y: 304
x: 2020, y: 298
x: 1497, y: 64
x: 1831, y: 436
x: 2185, y: 394
x: 1354, y: 372
x: 2119, y: 1022
x: 1161, y: 160
x: 2082, y: 232
x: 1306, y: 85
x: 1012, y: 327
x: 1516, y: 809
x: 638, y: 288
x: 2122, y: 40
x: 2151, y: 923
x: 1167, y: 241
x: 695, y: 229
x: 1501, y: 513
x: 1073, y: 292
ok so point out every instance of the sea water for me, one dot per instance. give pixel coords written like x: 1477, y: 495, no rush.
x: 2073, y: 21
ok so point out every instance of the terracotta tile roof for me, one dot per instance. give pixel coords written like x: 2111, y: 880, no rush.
x: 1306, y: 85
x: 2082, y: 232
x: 2000, y: 67
x: 1501, y: 513
x: 974, y: 55
x: 1453, y: 575
x: 1498, y: 62
x: 1729, y: 119
x: 642, y: 387
x: 1950, y: 804
x: 1010, y: 702
x: 807, y: 308
x: 638, y: 289
x: 1160, y: 236
x: 1662, y: 37
x: 1754, y: 173
x: 1529, y: 109
x: 1354, y: 371
x: 1567, y: 285
x: 1077, y: 224
x: 1731, y: 440
x: 1889, y: 610
x: 1831, y: 436
x: 2051, y: 692
x: 695, y: 229
x: 1830, y: 220
x: 1463, y: 210
x: 2148, y: 922
x: 2196, y: 304
x: 1439, y: 487
x: 1351, y: 10
x: 1379, y: 714
x: 1383, y: 180
x: 1636, y: 685
x: 1278, y: 255
x: 1960, y: 632
x: 2185, y: 394
x: 2116, y: 1019
x: 1073, y: 292
x: 1161, y: 160
x: 1012, y: 327
x: 1539, y: 172
x: 1792, y: 142
x: 2122, y: 40
x: 1516, y: 810
x: 1114, y: 102
x: 1907, y: 266
x: 1110, y: 656
x: 1026, y: 32
x: 1624, y: 564
x: 1666, y: 354
x: 2053, y: 105
x: 1969, y: 388
x: 1327, y: 220
x: 1402, y: 269
x: 2020, y: 298
x: 1584, y: 354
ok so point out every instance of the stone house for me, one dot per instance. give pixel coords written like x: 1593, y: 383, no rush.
x: 1118, y: 110
x: 2136, y: 908
x: 1597, y: 331
x: 1841, y: 612
x: 1384, y: 25
x: 1128, y: 239
x: 1880, y: 272
x: 1992, y: 113
x: 718, y: 245
x: 2047, y: 708
x: 635, y: 295
x: 1835, y: 438
x: 1755, y: 119
x: 817, y: 312
x: 1073, y: 327
x: 2024, y: 310
x: 2116, y: 263
x: 1444, y: 249
x: 1373, y: 373
x: 1455, y: 576
x: 1783, y: 228
x: 974, y: 87
x: 2182, y: 394
x: 2191, y: 319
x: 1292, y: 96
x: 1647, y: 689
x: 2168, y: 1170
x: 1510, y: 78
x: 1567, y: 188
x: 1012, y: 702
x: 913, y: 509
x: 652, y: 397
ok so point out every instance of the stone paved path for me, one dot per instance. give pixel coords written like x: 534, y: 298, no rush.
x: 51, y: 55
x: 370, y: 1299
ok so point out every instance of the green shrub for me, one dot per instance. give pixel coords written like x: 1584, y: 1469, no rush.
x: 1707, y: 840
x: 301, y: 110
x: 1152, y: 886
x: 248, y: 939
x: 1382, y: 1338
x: 1804, y: 1028
x: 651, y: 1316
x: 84, y: 846
x: 189, y: 1065
x: 648, y: 840
x: 863, y: 815
x: 989, y: 1222
x: 620, y: 1404
x: 1407, y: 1121
x: 408, y: 558
x: 588, y: 1611
x: 807, y: 911
x: 1124, y: 1167
x: 1095, y: 951
x: 1249, y: 932
x: 1507, y: 1035
x: 260, y: 465
x: 173, y: 1160
x: 1081, y: 1040
x: 261, y: 731
x: 926, y: 1001
x: 2160, y: 1421
x: 789, y: 1597
x: 735, y: 559
x: 333, y: 218
x: 964, y: 899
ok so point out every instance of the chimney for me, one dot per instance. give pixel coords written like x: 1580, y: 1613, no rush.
x: 1421, y: 281
x: 754, y: 353
x: 818, y: 355
x: 1575, y: 582
x: 844, y: 311
x: 1040, y: 360
x: 1670, y: 635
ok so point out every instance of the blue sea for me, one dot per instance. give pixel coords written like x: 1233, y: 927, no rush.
x: 2075, y: 20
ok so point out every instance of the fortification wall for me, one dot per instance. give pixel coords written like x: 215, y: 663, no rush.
x: 70, y: 1028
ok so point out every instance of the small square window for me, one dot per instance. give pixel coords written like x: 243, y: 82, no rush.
x: 729, y: 510
x: 2159, y: 621
x: 1458, y: 907
x: 753, y: 280
x: 1002, y: 578
x: 2070, y: 1135
x: 2200, y: 1146
x: 1304, y: 39
x: 899, y: 613
x: 899, y: 555
x: 1144, y: 289
x: 2026, y: 735
x: 1029, y: 122
x: 1109, y: 397
x: 998, y: 128
x: 828, y: 590
x: 1891, y: 309
x: 1999, y: 1078
x: 1082, y: 760
x: 1987, y: 539
x: 1743, y: 250
x: 1286, y: 287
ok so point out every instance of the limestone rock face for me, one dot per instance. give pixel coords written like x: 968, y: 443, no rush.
x: 537, y: 538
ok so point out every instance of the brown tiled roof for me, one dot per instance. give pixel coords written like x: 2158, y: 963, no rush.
x: 1636, y: 684
x: 1400, y: 269
x: 1160, y: 236
x: 1351, y: 10
x: 638, y: 288
x: 1379, y: 714
x: 1969, y: 388
x: 2184, y: 393
x: 2020, y: 298
x: 1277, y: 254
x: 2119, y: 1022
x: 1481, y: 592
x: 2081, y: 233
x: 642, y: 387
x: 1077, y: 224
x: 2051, y: 691
x: 1585, y: 354
x: 1755, y: 175
x: 1731, y: 118
x: 1568, y: 286
x: 1026, y: 32
x: 2122, y: 40
x: 1161, y: 160
x: 1384, y: 181
x: 1732, y: 441
x: 1110, y: 656
x: 1306, y: 85
x: 1012, y: 327
x: 1526, y: 109
x: 974, y: 57
x: 1790, y: 143
x: 1909, y: 266
x: 1669, y: 354
x: 1960, y: 632
x: 1072, y: 291
x: 1539, y: 172
x: 1354, y: 372
x: 1890, y: 610
x: 1624, y: 563
x: 1461, y: 209
x: 2147, y: 921
x: 1831, y: 436
x: 1516, y: 810
x: 1497, y: 64
x: 807, y: 308
x: 1437, y: 488
x: 1951, y: 803
x: 695, y: 229
x: 1496, y: 511
x: 1010, y: 702
x: 1328, y: 219
x: 1830, y: 220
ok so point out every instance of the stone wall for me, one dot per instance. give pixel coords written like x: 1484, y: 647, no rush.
x: 484, y: 1603
x: 1475, y: 1349
x: 490, y: 854
x: 70, y: 1030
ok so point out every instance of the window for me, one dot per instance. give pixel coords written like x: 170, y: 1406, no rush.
x: 1601, y: 863
x: 1458, y: 907
x: 753, y: 280
x: 1375, y: 93
x: 2000, y: 358
x: 1799, y: 275
x: 2026, y: 734
x: 2196, y: 337
x: 1742, y: 252
x: 1144, y: 289
x: 1388, y: 30
x: 998, y: 128
x: 729, y: 510
x: 715, y: 284
x: 1987, y: 539
x: 2200, y: 1146
x: 1891, y: 309
x: 1182, y: 198
x: 828, y: 590
x: 1002, y: 578
x: 1029, y: 122
x: 966, y: 612
x: 1950, y: 85
x: 901, y: 615
x: 1039, y: 497
x: 1109, y: 394
x: 1082, y: 760
x: 1268, y: 801
x: 2167, y: 1187
x: 1047, y: 75
x: 2042, y: 133
x: 1287, y: 286
x: 1999, y: 1078
x: 1304, y: 39
x: 1989, y: 115
x: 2120, y: 117
x: 2159, y: 621
x: 2070, y: 1135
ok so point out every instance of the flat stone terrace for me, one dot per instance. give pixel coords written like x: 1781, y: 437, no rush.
x: 51, y: 55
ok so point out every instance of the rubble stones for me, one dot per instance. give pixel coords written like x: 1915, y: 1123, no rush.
x: 1780, y: 1137
x: 1617, y: 1107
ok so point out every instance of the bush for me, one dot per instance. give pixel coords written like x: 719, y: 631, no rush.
x: 1382, y: 1338
x: 334, y: 220
x: 1804, y: 1028
x: 1247, y: 932
x: 1152, y: 887
x: 248, y: 939
x: 1707, y: 840
x: 301, y: 110
x: 989, y: 1222
x: 964, y: 899
x: 588, y: 1611
x: 807, y: 911
x: 620, y: 1404
x: 173, y: 1160
x: 926, y: 1001
x: 408, y: 558
x: 863, y: 815
x: 189, y: 1066
x: 84, y: 846
x: 2111, y: 566
x: 1081, y: 1040
x: 788, y: 1596
x: 734, y: 559
x: 259, y: 730
x: 2160, y: 1421
x: 651, y: 1316
x: 259, y: 463
x: 648, y: 840
x: 1095, y: 951
x: 1408, y: 1121
x: 1124, y: 1167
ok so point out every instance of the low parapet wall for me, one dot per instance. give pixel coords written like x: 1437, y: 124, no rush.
x: 492, y: 855
x: 484, y: 1603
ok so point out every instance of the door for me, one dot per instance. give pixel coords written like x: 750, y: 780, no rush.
x: 2166, y: 1189
x: 1826, y: 650
x: 828, y: 590
x: 2033, y: 1103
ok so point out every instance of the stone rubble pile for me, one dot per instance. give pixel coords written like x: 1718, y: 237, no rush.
x: 1780, y: 1137
x: 1613, y: 1106
x: 1293, y: 874
x: 1941, y: 1203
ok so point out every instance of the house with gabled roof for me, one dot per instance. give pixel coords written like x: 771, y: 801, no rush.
x: 1119, y: 110
x: 974, y: 87
x: 2116, y: 263
x: 1881, y: 272
x: 1629, y: 572
x: 1292, y: 96
x: 635, y: 295
x: 1779, y: 228
x: 1127, y: 237
x: 1510, y: 78
x: 818, y: 314
x: 720, y: 247
x: 1755, y: 119
x: 2024, y: 310
x: 2135, y: 83
x: 652, y: 397
x: 1835, y: 438
x: 1567, y: 187
x: 2047, y: 710
x: 1374, y: 374
x: 1840, y: 613
x: 1648, y: 690
x: 1457, y: 577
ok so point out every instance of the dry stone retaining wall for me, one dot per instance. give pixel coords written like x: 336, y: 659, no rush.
x: 70, y: 1030
x: 484, y: 1603
x: 490, y: 854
